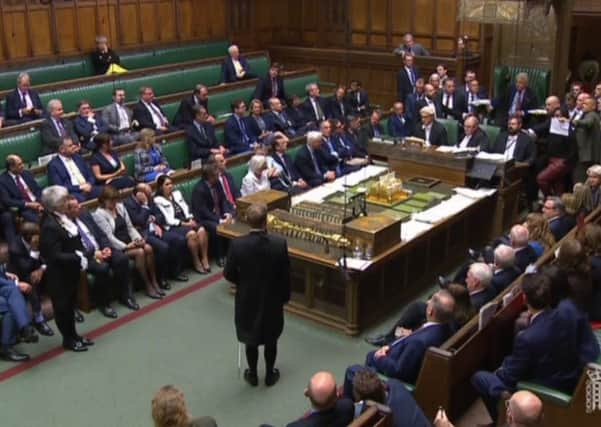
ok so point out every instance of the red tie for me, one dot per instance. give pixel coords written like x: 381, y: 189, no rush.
x: 228, y: 192
x: 23, y: 189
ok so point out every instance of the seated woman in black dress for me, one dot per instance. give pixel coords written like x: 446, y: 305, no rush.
x: 256, y: 124
x: 113, y: 219
x: 107, y: 166
x: 179, y: 219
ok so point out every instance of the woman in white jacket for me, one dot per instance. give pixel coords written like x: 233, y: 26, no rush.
x: 113, y: 219
x: 179, y: 219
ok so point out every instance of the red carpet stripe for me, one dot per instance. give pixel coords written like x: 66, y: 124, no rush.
x: 117, y: 323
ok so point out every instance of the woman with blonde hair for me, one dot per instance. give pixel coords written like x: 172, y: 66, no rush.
x: 541, y: 238
x: 594, y: 183
x: 169, y: 409
x: 149, y: 160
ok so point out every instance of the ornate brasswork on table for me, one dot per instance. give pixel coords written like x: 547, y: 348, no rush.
x: 387, y: 191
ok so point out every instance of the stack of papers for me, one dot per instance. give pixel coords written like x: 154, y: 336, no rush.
x: 411, y: 229
x: 480, y: 102
x: 495, y: 157
x: 355, y: 263
x: 455, y: 149
x: 475, y: 194
x: 444, y: 210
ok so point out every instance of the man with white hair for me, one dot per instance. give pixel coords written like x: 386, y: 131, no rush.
x: 478, y: 281
x: 516, y: 101
x: 410, y: 47
x: 23, y: 104
x: 55, y: 128
x: 429, y: 129
x: 524, y: 253
x: 310, y: 162
x: 504, y: 269
x: 429, y: 100
x: 587, y: 132
x: 235, y: 67
x: 594, y: 182
x: 257, y: 178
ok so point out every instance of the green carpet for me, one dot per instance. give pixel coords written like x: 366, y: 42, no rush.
x: 190, y: 343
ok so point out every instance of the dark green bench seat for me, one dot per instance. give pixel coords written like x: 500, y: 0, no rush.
x: 82, y: 67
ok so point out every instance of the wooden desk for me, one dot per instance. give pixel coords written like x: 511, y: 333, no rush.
x: 352, y: 300
x: 428, y: 162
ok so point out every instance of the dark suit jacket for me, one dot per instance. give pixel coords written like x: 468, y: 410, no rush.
x: 280, y: 122
x: 259, y: 266
x: 560, y: 226
x: 405, y: 356
x: 398, y: 128
x: 143, y: 116
x: 479, y: 299
x: 203, y: 205
x: 405, y: 411
x: 140, y: 216
x: 360, y: 106
x: 102, y: 61
x: 341, y: 415
x: 58, y: 174
x: 478, y: 139
x: 525, y: 149
x: 459, y: 106
x: 51, y: 139
x: 14, y: 103
x: 185, y: 113
x: 305, y: 167
x: 539, y: 356
x: 576, y: 333
x: 333, y: 110
x: 264, y: 90
x: 524, y: 257
x: 404, y: 86
x: 200, y: 146
x: 21, y: 263
x: 233, y: 136
x: 228, y: 71
x: 309, y: 112
x: 421, y: 104
x: 253, y: 128
x: 367, y: 132
x: 288, y: 175
x: 101, y: 238
x: 438, y: 134
x: 503, y: 278
x: 502, y: 104
x: 11, y: 196
x: 84, y: 130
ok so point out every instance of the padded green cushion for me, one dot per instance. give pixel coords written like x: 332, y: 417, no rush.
x: 238, y: 172
x: 27, y: 145
x: 46, y: 74
x: 452, y: 130
x: 491, y: 131
x: 42, y: 180
x: 177, y: 154
x: 539, y: 79
x: 410, y: 387
x: 546, y: 393
x: 186, y: 187
x: 128, y: 161
x: 296, y: 86
x: 292, y: 152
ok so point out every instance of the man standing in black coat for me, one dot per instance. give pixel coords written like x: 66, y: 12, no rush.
x: 270, y: 86
x: 259, y: 266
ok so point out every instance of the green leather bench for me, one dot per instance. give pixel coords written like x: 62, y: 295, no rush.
x: 163, y: 84
x: 539, y: 80
x: 491, y: 131
x: 82, y: 67
x: 452, y: 130
x: 27, y: 145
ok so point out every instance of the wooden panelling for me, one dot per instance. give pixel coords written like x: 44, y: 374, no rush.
x: 130, y: 22
x: 167, y: 21
x: 66, y: 29
x: 16, y: 35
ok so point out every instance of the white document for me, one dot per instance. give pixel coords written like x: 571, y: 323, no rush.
x: 559, y: 128
x: 495, y: 157
x: 355, y: 263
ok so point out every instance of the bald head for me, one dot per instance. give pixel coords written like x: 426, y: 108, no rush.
x: 504, y: 256
x: 552, y: 103
x: 518, y: 236
x: 321, y: 390
x: 525, y: 410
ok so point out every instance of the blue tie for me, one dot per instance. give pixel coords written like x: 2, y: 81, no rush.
x: 245, y: 138
x: 315, y: 165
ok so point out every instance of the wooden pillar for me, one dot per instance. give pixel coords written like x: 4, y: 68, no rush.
x: 563, y: 12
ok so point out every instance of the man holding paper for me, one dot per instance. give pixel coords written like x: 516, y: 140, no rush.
x: 588, y: 139
x: 560, y: 153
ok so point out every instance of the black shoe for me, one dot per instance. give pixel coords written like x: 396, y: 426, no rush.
x: 78, y: 316
x: 272, y: 377
x: 220, y: 262
x: 76, y: 346
x: 86, y: 341
x: 377, y: 340
x: 161, y: 293
x: 108, y: 311
x: 11, y: 355
x: 165, y: 285
x: 251, y: 378
x: 130, y: 303
x: 181, y: 278
x: 28, y: 334
x: 43, y: 329
x: 443, y: 282
x: 201, y: 271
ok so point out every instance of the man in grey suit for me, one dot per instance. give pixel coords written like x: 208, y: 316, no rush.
x: 587, y: 133
x: 409, y: 46
x: 118, y: 116
x: 55, y: 128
